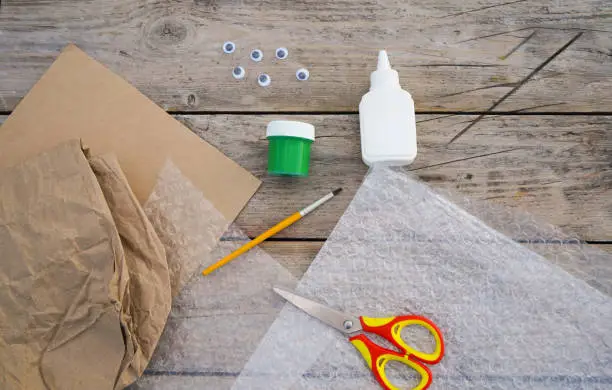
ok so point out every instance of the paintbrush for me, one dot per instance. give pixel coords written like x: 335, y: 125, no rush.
x: 270, y: 232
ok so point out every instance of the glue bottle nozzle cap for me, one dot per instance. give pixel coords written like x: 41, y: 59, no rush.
x: 383, y: 61
x: 384, y: 76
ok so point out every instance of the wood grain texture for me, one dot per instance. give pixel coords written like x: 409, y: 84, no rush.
x: 472, y: 55
x: 296, y: 256
x: 558, y: 168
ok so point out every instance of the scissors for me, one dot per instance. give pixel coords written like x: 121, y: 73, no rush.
x: 389, y: 328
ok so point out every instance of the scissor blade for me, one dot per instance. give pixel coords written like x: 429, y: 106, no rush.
x: 345, y: 323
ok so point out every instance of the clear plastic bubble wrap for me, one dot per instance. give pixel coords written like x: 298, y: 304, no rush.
x: 216, y: 322
x: 187, y: 223
x: 511, y: 318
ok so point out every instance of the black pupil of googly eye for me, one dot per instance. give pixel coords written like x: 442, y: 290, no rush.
x: 237, y: 71
x: 263, y: 78
x: 255, y: 54
x: 229, y: 47
x: 281, y: 54
x: 301, y: 75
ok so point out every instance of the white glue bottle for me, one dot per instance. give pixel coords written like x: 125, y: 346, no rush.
x: 386, y: 118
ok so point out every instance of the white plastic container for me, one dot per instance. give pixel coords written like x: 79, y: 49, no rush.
x: 386, y: 118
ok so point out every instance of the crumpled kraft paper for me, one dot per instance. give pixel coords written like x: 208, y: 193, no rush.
x: 84, y: 282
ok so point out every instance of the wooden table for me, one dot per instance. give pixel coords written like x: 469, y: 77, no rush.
x: 514, y: 99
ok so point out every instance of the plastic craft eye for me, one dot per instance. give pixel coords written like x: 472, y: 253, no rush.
x: 302, y: 74
x: 264, y: 80
x: 282, y: 53
x: 257, y: 55
x: 238, y: 72
x: 229, y: 47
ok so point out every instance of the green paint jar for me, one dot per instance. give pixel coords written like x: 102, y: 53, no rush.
x: 289, y: 147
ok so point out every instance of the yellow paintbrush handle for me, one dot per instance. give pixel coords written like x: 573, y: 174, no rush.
x: 256, y: 241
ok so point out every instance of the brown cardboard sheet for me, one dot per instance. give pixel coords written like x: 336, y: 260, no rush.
x: 78, y: 98
x: 84, y: 281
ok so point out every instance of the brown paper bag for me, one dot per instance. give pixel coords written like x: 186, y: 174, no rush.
x: 84, y: 287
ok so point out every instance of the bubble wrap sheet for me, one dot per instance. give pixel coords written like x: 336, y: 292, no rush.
x: 187, y: 223
x: 510, y: 318
x: 216, y: 322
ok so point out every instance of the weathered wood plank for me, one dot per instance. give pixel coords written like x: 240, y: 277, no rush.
x: 296, y: 256
x: 555, y: 167
x: 558, y: 168
x: 472, y: 55
x: 185, y: 380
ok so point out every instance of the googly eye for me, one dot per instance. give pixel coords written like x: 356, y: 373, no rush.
x: 302, y: 74
x: 238, y: 72
x: 282, y: 53
x: 229, y: 47
x: 256, y: 55
x: 264, y: 80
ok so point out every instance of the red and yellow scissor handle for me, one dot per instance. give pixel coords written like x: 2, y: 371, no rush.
x: 390, y: 328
